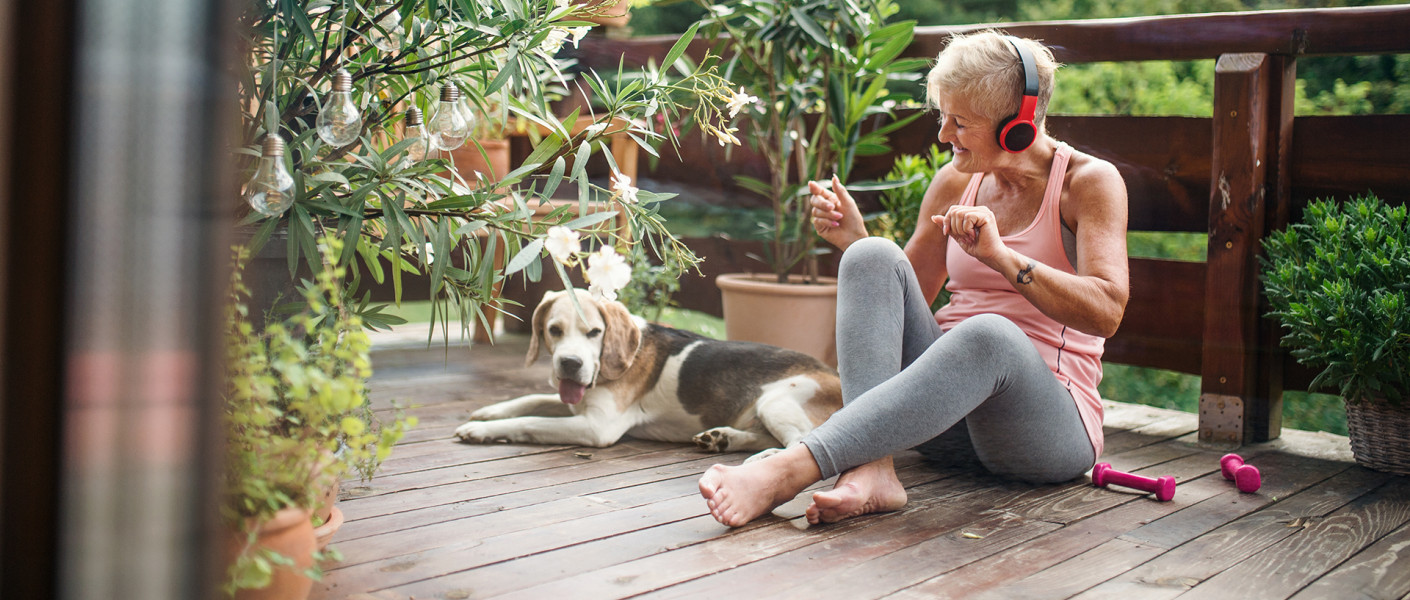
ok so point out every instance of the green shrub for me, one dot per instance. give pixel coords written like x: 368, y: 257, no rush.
x: 901, y: 205
x: 1338, y: 283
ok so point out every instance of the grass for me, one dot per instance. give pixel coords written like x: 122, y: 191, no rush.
x: 1179, y: 391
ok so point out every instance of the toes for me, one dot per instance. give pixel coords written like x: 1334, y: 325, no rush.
x: 710, y: 484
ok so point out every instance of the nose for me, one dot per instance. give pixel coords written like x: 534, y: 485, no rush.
x: 570, y: 363
x: 945, y: 135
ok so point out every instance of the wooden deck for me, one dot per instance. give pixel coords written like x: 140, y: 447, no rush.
x: 450, y: 520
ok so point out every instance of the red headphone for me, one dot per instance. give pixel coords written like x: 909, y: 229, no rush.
x: 1017, y: 132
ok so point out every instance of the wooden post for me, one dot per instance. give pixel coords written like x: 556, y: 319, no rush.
x: 1239, y: 400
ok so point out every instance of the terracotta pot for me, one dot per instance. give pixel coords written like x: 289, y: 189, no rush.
x: 469, y: 160
x: 324, y: 533
x: 792, y: 315
x: 327, y: 514
x: 289, y: 533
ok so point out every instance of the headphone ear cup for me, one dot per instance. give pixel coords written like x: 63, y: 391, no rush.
x: 1016, y: 135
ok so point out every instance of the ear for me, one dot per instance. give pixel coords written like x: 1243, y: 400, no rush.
x: 540, y: 315
x: 620, y: 340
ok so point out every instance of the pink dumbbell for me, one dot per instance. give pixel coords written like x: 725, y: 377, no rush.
x: 1163, y: 487
x: 1245, y: 477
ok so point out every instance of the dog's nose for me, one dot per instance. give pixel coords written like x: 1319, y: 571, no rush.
x: 570, y: 363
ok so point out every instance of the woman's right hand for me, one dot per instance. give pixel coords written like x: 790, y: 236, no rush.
x: 835, y: 214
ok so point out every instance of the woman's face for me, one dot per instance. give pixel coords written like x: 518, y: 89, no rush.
x: 970, y: 136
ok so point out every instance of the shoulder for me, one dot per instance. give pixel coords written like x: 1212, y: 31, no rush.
x: 1094, y: 187
x: 946, y: 188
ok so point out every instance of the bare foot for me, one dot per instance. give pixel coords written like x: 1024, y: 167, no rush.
x: 870, y: 488
x: 738, y: 495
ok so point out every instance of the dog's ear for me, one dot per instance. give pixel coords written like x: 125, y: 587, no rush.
x: 540, y: 315
x: 620, y: 340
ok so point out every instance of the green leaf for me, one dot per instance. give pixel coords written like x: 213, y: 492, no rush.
x: 681, y: 44
x: 441, y: 247
x: 590, y: 219
x: 898, y: 36
x: 527, y: 254
x: 555, y: 177
x: 546, y: 148
x: 331, y: 177
x: 809, y: 26
x: 511, y: 69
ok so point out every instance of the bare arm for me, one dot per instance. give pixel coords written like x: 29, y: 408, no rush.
x: 926, y: 248
x: 1092, y: 301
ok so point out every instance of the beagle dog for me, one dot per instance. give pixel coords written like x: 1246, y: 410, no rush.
x: 620, y: 375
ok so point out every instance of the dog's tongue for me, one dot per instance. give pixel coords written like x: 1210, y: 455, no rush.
x: 570, y: 392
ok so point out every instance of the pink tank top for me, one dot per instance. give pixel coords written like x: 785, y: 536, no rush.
x: 1074, y: 357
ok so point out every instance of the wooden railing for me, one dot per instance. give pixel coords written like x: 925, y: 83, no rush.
x: 1236, y: 176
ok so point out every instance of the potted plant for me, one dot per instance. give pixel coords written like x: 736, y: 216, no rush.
x: 298, y: 420
x: 328, y: 147
x: 813, y: 83
x: 1339, y: 283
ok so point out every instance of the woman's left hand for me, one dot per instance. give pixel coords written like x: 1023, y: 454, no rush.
x: 974, y: 229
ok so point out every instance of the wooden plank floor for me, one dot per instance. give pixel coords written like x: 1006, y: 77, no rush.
x: 451, y: 520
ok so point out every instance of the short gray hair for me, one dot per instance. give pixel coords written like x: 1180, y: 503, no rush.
x: 984, y: 68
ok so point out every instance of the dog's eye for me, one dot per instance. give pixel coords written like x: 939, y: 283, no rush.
x: 555, y: 331
x: 595, y: 332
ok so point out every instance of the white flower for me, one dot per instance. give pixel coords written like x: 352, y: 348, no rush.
x: 562, y: 244
x: 578, y: 34
x: 554, y: 42
x: 622, y: 187
x: 430, y: 254
x: 738, y: 100
x: 727, y: 136
x: 607, y: 272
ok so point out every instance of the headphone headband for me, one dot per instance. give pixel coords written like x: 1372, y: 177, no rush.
x: 1017, y: 133
x: 1030, y: 67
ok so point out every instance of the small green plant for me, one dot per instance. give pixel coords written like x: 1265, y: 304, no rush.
x: 901, y: 205
x: 1338, y: 282
x: 652, y: 286
x: 296, y: 408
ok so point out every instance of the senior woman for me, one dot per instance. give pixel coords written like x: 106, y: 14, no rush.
x: 1032, y: 236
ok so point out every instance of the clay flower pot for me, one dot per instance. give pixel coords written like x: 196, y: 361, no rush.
x: 289, y: 533
x: 792, y: 315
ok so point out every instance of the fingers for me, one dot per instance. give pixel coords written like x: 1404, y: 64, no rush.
x: 826, y: 204
x: 960, y: 222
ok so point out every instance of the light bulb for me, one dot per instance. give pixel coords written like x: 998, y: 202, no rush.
x: 268, y: 191
x: 387, y: 34
x: 467, y: 113
x: 414, y: 128
x: 448, y: 127
x: 339, y: 123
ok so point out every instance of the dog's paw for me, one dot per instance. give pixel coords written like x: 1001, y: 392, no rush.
x: 712, y: 440
x: 476, y: 432
x: 763, y: 455
x: 492, y: 412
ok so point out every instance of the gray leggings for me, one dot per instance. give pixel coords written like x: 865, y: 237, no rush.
x: 904, y: 382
